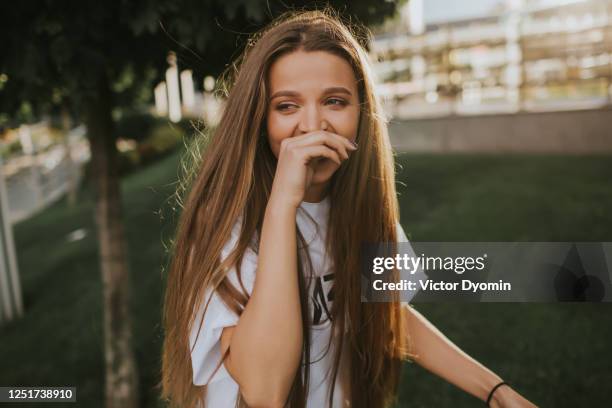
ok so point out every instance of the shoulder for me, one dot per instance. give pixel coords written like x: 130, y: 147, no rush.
x: 401, y: 235
x: 248, y: 263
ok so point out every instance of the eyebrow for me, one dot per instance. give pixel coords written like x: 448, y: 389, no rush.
x: 333, y: 89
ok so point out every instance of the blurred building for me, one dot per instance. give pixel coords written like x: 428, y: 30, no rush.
x: 538, y: 55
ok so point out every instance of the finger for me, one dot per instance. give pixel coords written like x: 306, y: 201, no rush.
x: 329, y: 139
x: 311, y: 152
x: 322, y: 135
x: 345, y: 141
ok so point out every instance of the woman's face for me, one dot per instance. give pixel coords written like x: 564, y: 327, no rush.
x: 312, y: 91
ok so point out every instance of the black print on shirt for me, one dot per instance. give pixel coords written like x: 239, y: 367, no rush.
x: 321, y: 301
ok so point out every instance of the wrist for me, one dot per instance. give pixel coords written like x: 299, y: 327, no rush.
x: 282, y: 202
x: 485, y: 380
x: 279, y: 204
x: 499, y: 394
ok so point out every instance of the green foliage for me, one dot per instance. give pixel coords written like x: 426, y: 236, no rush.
x: 136, y: 125
x: 160, y: 139
x: 57, y: 51
x: 164, y: 138
x: 9, y: 149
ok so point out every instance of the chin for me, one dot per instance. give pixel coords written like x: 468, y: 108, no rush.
x: 324, y: 171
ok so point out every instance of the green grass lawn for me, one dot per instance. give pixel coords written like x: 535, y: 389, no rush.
x: 556, y: 354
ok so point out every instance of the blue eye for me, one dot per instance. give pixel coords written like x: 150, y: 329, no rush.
x: 337, y: 101
x: 284, y: 106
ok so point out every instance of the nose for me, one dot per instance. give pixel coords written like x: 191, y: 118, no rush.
x: 311, y: 120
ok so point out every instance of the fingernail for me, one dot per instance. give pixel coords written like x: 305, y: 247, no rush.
x: 354, y: 143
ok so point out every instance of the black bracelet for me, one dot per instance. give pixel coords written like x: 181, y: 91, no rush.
x: 493, y: 390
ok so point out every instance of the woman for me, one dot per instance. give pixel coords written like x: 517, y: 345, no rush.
x: 263, y: 304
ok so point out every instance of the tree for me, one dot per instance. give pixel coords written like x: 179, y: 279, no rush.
x: 97, y: 56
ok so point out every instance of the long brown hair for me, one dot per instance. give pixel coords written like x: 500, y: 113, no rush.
x: 234, y: 179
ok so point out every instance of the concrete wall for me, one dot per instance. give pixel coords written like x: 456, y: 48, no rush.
x: 587, y: 131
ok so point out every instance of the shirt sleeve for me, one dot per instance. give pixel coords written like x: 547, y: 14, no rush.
x: 407, y: 296
x: 205, y: 338
x: 401, y: 235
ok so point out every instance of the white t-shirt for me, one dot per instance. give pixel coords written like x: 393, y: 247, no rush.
x: 222, y: 390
